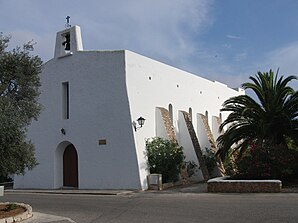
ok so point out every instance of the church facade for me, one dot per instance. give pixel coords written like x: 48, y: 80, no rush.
x: 88, y: 135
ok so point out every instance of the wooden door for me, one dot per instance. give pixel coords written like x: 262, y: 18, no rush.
x: 70, y: 167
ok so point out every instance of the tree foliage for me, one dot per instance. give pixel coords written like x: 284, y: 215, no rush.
x: 268, y: 122
x: 19, y: 84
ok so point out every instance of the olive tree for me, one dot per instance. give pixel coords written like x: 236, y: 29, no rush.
x: 19, y: 91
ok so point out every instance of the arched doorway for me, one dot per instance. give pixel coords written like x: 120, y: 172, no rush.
x: 70, y: 167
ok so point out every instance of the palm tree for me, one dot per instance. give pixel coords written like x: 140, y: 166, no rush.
x: 267, y: 122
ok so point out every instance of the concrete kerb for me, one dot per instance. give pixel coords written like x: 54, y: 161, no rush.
x: 74, y: 192
x: 190, y: 188
x: 20, y: 217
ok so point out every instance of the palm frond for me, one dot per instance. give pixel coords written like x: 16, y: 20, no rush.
x: 273, y: 117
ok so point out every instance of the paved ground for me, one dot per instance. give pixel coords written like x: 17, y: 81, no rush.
x: 47, y: 218
x: 189, y: 204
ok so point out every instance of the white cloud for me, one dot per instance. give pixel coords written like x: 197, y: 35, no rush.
x: 43, y: 44
x: 164, y: 30
x: 167, y: 30
x: 233, y: 37
x: 225, y: 73
x: 241, y: 56
x: 284, y: 58
x: 234, y: 74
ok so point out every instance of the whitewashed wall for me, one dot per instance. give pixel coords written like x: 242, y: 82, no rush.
x: 152, y: 84
x: 98, y: 110
x: 109, y: 90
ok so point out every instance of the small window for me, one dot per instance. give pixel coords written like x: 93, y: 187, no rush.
x: 190, y: 114
x: 65, y: 100
x: 206, y: 114
x: 171, y: 112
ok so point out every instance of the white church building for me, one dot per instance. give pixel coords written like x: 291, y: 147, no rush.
x: 88, y: 135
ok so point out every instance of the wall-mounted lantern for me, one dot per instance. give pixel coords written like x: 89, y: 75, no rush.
x: 141, y: 122
x: 63, y: 131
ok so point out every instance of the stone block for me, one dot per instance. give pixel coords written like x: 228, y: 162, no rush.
x: 154, y: 181
x: 224, y: 185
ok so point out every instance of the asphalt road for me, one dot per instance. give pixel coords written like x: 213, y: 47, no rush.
x: 164, y: 207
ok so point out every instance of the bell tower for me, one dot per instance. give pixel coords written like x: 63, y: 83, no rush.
x: 68, y: 41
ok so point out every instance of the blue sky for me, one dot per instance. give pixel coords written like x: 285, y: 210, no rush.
x: 223, y: 40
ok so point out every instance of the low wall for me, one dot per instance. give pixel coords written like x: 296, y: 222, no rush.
x: 224, y: 185
x: 23, y: 216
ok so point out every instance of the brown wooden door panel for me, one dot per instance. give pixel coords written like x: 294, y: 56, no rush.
x: 70, y: 167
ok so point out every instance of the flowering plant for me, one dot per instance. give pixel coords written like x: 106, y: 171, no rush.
x: 164, y: 157
x: 263, y: 160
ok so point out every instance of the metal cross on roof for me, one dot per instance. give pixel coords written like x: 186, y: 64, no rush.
x: 67, y: 25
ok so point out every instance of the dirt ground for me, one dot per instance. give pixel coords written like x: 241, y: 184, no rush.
x: 4, y: 213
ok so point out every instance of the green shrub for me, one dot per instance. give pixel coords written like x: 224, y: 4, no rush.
x: 164, y: 157
x: 191, y: 168
x: 210, y: 160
